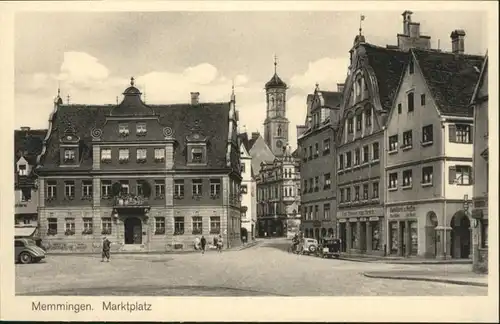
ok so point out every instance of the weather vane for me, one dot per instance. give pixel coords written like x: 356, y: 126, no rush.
x: 360, y: 23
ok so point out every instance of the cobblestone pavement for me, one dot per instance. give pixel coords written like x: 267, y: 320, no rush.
x: 262, y: 270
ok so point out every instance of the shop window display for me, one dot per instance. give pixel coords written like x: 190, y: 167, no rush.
x: 394, y: 238
x: 375, y: 236
x: 414, y: 238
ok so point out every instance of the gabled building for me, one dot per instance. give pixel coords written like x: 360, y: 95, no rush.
x: 248, y: 190
x: 480, y: 165
x: 429, y: 149
x: 317, y: 167
x: 149, y: 177
x: 28, y: 144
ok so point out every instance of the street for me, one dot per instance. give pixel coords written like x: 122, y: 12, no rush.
x: 263, y: 270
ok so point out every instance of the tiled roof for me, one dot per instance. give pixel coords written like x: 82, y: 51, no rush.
x: 275, y: 82
x: 388, y: 65
x: 28, y: 143
x: 212, y: 120
x: 451, y: 78
x: 244, y: 140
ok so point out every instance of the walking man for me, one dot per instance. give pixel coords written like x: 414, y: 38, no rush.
x: 106, y: 244
x: 219, y: 243
x: 203, y: 243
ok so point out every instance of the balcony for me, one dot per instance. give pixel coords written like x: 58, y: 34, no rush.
x: 130, y: 201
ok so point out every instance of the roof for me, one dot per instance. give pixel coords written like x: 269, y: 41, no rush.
x: 209, y: 120
x: 28, y: 143
x: 332, y: 98
x: 388, y: 65
x: 484, y: 71
x: 244, y: 140
x: 451, y: 79
x: 275, y: 82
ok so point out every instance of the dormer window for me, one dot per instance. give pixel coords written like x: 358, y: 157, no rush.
x: 141, y: 129
x: 23, y: 171
x: 123, y: 129
x: 196, y: 155
x: 69, y: 155
x: 123, y: 155
x: 196, y: 149
x: 106, y: 155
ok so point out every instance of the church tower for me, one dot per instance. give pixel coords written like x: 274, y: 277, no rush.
x: 276, y: 123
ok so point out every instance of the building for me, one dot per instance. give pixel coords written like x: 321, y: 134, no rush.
x: 317, y: 167
x: 278, y: 184
x: 429, y: 150
x: 248, y: 190
x: 148, y: 177
x: 27, y: 145
x: 480, y: 167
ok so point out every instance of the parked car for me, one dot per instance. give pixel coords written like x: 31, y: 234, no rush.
x: 330, y: 247
x: 26, y: 251
x: 309, y: 246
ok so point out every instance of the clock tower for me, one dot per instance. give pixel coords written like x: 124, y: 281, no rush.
x: 276, y: 123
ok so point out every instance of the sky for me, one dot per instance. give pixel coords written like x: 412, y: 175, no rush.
x: 91, y: 56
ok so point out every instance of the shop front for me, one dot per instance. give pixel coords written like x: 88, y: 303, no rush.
x: 361, y: 230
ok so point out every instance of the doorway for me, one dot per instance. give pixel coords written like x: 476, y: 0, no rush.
x: 343, y: 236
x: 460, y: 236
x: 133, y: 231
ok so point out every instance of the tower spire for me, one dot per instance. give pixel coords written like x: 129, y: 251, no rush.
x: 233, y: 96
x: 361, y: 18
x: 275, y: 63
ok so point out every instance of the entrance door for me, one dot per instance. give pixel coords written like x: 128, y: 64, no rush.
x: 343, y: 236
x: 460, y: 236
x: 133, y: 231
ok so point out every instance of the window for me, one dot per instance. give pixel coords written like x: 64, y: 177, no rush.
x: 407, y: 179
x: 243, y: 167
x: 69, y: 189
x: 460, y: 133
x: 138, y: 188
x: 88, y: 226
x: 178, y: 225
x: 69, y: 155
x: 393, y: 180
x: 393, y: 143
x: 316, y: 150
x: 178, y: 189
x: 316, y: 183
x: 125, y: 187
x: 51, y: 189
x: 244, y: 189
x: 316, y: 212
x: 368, y: 117
x: 69, y: 226
x: 411, y: 68
x: 427, y: 136
x: 460, y: 175
x: 304, y: 154
x: 365, y: 191
x: 342, y: 198
x: 159, y: 225
x: 427, y: 175
x: 375, y: 190
x: 348, y: 159
x: 366, y: 153
x: 52, y: 227
x: 348, y: 194
x: 400, y: 108
x: 214, y: 225
x: 358, y: 122
x: 310, y: 152
x: 326, y: 211
x: 141, y: 155
x: 106, y: 155
x: 159, y: 155
x: 375, y: 151
x: 310, y: 213
x: 328, y: 181
x: 341, y: 161
x: 106, y: 225
x: 356, y: 193
x: 26, y: 194
x: 123, y: 129
x: 326, y: 146
x: 305, y: 186
x: 411, y: 103
x: 357, y: 156
x: 159, y: 188
x: 407, y: 139
x: 87, y: 189
x: 422, y: 99
x: 22, y: 170
x: 140, y: 129
x: 214, y: 187
x: 197, y: 225
x: 197, y: 187
x: 196, y: 155
x: 105, y: 189
x: 123, y: 155
x: 350, y: 126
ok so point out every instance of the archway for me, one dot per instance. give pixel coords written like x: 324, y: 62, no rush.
x: 460, y: 235
x: 330, y: 232
x: 430, y: 234
x: 133, y: 231
x: 323, y: 232
x: 244, y: 234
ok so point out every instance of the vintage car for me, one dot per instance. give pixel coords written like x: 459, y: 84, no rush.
x: 330, y: 247
x: 308, y: 246
x: 26, y: 251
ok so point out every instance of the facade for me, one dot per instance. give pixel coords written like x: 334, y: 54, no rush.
x: 278, y: 196
x: 317, y: 167
x: 27, y: 145
x: 480, y: 171
x: 148, y: 177
x: 248, y: 190
x: 429, y: 137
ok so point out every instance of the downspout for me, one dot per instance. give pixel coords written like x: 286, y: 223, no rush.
x: 384, y: 187
x: 443, y: 150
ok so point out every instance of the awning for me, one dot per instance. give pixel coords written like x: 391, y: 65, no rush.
x: 24, y: 231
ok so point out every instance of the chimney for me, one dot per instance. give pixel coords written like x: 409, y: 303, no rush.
x: 25, y: 129
x: 457, y: 41
x: 195, y: 98
x: 255, y: 135
x: 340, y: 87
x: 414, y: 30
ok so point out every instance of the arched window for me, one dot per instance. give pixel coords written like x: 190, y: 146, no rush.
x: 279, y: 130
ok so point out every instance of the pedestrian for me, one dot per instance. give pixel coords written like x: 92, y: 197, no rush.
x: 203, y: 242
x: 219, y: 243
x: 106, y: 244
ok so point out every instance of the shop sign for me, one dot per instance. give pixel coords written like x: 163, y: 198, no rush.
x: 342, y: 220
x: 362, y: 212
x: 21, y: 205
x: 402, y: 211
x: 353, y: 219
x: 374, y: 219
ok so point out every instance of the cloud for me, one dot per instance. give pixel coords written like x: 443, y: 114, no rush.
x: 325, y: 71
x: 81, y: 68
x: 201, y: 74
